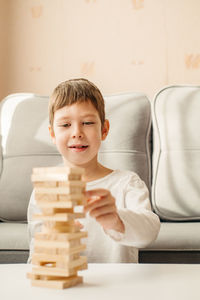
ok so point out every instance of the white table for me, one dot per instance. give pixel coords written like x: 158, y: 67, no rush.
x: 109, y: 281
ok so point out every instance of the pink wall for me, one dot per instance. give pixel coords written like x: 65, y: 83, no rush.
x: 121, y: 45
x: 3, y: 48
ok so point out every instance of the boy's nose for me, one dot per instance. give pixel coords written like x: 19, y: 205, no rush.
x: 77, y: 133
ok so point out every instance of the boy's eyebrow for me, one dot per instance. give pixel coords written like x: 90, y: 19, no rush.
x: 83, y: 116
x: 62, y: 118
x: 88, y: 115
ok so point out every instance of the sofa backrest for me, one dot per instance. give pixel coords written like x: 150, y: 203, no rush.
x: 25, y: 143
x: 176, y: 154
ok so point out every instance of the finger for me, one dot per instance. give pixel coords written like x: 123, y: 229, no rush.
x: 97, y: 192
x: 106, y: 220
x: 97, y: 203
x: 93, y: 199
x: 104, y: 210
x: 79, y: 224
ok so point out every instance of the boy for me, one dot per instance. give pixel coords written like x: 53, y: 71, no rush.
x: 118, y: 212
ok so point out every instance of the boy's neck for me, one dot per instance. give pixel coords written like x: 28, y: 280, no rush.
x: 96, y: 173
x: 93, y: 171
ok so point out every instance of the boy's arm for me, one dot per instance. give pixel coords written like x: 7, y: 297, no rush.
x: 101, y: 205
x: 140, y: 224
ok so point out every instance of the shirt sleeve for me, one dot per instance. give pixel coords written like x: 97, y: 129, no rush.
x: 33, y: 225
x: 141, y: 224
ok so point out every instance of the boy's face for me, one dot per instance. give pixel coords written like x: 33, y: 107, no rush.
x: 77, y: 133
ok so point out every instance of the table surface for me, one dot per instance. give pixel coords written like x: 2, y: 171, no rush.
x: 109, y: 281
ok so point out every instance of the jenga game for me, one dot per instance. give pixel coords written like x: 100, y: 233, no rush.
x: 56, y: 258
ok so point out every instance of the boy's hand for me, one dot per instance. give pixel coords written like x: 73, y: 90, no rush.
x: 101, y: 206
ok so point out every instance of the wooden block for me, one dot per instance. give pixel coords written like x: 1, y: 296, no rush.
x: 53, y: 261
x: 47, y: 211
x: 70, y: 257
x: 45, y: 258
x: 48, y: 178
x: 46, y: 277
x: 80, y: 199
x: 82, y: 267
x: 41, y: 270
x: 70, y: 199
x: 58, y: 170
x: 56, y: 282
x: 56, y: 174
x: 60, y: 227
x: 72, y: 187
x: 56, y: 184
x: 58, y: 247
x: 56, y: 244
x: 32, y: 276
x: 73, y: 183
x: 59, y: 251
x: 57, y: 204
x: 70, y: 270
x: 67, y: 200
x: 45, y: 183
x: 42, y: 258
x: 60, y: 236
x: 62, y: 217
x: 46, y: 197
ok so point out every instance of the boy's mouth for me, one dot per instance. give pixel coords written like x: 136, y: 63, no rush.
x: 78, y: 147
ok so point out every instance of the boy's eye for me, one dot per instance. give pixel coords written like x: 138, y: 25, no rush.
x: 65, y: 125
x: 88, y: 123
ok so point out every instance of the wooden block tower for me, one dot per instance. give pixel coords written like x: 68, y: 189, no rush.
x: 56, y: 258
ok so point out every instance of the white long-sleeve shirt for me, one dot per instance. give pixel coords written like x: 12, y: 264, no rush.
x: 134, y: 208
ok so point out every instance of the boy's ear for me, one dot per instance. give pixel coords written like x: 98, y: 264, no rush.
x: 105, y: 129
x: 52, y: 134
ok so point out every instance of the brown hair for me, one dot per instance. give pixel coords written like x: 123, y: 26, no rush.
x: 73, y: 91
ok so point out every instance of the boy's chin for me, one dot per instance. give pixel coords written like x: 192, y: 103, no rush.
x: 83, y: 161
x: 75, y: 163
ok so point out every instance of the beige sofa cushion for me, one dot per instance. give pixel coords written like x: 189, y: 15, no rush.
x: 14, y: 236
x: 127, y: 146
x: 176, y: 156
x: 25, y: 143
x: 177, y: 236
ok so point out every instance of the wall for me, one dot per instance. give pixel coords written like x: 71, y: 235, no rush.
x: 3, y: 48
x: 121, y: 45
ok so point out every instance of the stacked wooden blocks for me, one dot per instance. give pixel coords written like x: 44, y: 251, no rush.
x: 57, y: 247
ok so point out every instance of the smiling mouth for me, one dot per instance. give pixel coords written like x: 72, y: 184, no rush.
x: 78, y: 146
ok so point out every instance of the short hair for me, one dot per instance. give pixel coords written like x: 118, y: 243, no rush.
x: 76, y: 91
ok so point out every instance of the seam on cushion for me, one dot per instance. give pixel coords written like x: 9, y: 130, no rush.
x: 180, y: 150
x: 4, y: 220
x: 166, y: 218
x: 148, y: 132
x: 155, y: 126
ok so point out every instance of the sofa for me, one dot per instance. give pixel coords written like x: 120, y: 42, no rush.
x: 157, y: 139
